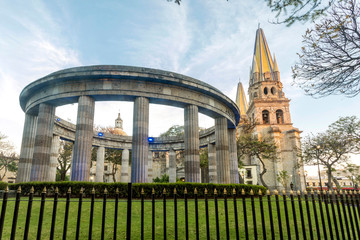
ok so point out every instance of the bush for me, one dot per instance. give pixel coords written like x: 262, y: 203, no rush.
x: 136, y: 187
x: 3, y: 185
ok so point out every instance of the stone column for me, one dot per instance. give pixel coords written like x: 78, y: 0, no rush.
x: 150, y: 166
x: 192, y: 159
x: 27, y: 148
x: 234, y: 171
x: 172, y: 166
x: 55, y: 145
x: 125, y: 166
x: 212, y: 163
x: 43, y: 140
x: 140, y: 145
x: 80, y: 168
x: 100, y: 156
x: 222, y: 150
x: 167, y: 161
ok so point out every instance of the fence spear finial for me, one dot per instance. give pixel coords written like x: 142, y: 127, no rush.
x: 19, y: 189
x: 164, y: 191
x: 206, y: 191
x: 251, y: 192
x: 153, y: 191
x: 242, y: 192
x: 93, y: 190
x: 185, y: 191
x: 260, y: 192
x: 32, y: 189
x: 234, y: 191
x: 225, y: 192
x: 7, y: 189
x: 298, y: 192
x: 174, y: 191
x: 291, y: 192
x: 142, y: 191
x: 284, y: 192
x: 81, y: 190
x: 69, y: 190
x: 195, y: 191
x: 215, y: 191
x: 268, y: 192
x: 44, y: 190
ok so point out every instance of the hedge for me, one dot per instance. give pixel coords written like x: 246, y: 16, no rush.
x: 123, y: 188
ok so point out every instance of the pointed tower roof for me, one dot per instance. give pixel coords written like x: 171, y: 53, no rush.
x: 276, y: 68
x: 262, y: 57
x: 241, y: 99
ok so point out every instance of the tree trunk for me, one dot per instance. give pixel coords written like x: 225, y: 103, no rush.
x: 329, y: 184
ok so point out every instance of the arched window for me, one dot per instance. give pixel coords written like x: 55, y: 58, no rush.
x: 265, y: 117
x: 279, y: 116
x: 265, y: 90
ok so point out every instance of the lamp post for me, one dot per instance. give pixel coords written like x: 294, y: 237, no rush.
x: 317, y: 157
x: 305, y: 176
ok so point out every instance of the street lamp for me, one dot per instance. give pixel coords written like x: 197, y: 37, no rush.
x: 317, y: 157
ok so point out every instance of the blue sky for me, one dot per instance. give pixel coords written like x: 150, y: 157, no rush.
x: 209, y: 40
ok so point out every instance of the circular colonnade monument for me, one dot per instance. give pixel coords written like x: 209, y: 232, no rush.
x: 85, y: 85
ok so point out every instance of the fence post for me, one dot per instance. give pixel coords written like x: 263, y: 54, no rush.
x: 116, y: 211
x: 175, y: 214
x: 41, y: 215
x: 328, y: 214
x: 164, y: 212
x: 308, y: 215
x: 278, y: 213
x: 216, y: 215
x: 315, y: 215
x: 245, y: 215
x: 226, y: 215
x: 153, y: 213
x: 345, y: 215
x: 207, y: 214
x: 352, y: 196
x: 339, y: 215
x: 196, y: 214
x: 270, y: 215
x: 236, y: 214
x: 79, y: 214
x: 142, y: 213
x: 350, y: 215
x: 186, y: 215
x: 128, y: 218
x: 301, y: 215
x: 28, y: 214
x: 286, y: 215
x: 66, y: 212
x: 262, y: 215
x: 91, y: 213
x: 294, y: 214
x: 15, y: 215
x: 253, y: 213
x: 3, y: 210
x: 53, y: 217
x: 103, y: 219
x: 331, y: 200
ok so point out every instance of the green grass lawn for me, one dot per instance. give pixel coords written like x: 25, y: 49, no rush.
x: 136, y: 215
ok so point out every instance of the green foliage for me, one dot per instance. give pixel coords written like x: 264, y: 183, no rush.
x: 8, y: 157
x: 249, y: 145
x: 3, y: 185
x: 164, y: 179
x: 283, y: 178
x: 329, y: 58
x: 136, y: 187
x: 204, y: 162
x: 174, y: 131
x: 64, y: 160
x: 332, y: 147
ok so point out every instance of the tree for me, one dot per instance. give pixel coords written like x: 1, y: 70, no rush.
x: 352, y: 171
x: 330, y: 57
x: 294, y: 10
x: 328, y: 149
x: 8, y: 158
x: 113, y: 156
x: 349, y: 127
x: 264, y: 150
x: 64, y: 161
x: 283, y: 178
x: 174, y: 131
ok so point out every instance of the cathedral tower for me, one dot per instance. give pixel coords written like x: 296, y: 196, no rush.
x: 269, y: 110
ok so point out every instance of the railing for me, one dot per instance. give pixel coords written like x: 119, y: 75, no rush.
x: 314, y: 215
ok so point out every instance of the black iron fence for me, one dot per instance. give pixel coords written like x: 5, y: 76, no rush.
x: 296, y: 215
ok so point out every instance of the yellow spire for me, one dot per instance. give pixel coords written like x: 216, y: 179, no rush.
x: 276, y: 68
x: 262, y: 61
x: 241, y: 99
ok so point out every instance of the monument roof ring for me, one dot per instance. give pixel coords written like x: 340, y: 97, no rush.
x: 125, y: 83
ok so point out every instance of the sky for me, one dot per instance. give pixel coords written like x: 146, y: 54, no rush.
x: 211, y: 41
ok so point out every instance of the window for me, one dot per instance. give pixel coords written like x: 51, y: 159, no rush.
x: 105, y: 168
x: 273, y: 91
x: 307, y: 184
x: 279, y: 116
x: 314, y: 184
x: 255, y: 95
x: 249, y: 182
x: 248, y: 173
x: 265, y: 115
x: 265, y: 90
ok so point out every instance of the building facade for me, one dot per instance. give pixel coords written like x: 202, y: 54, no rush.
x: 269, y: 111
